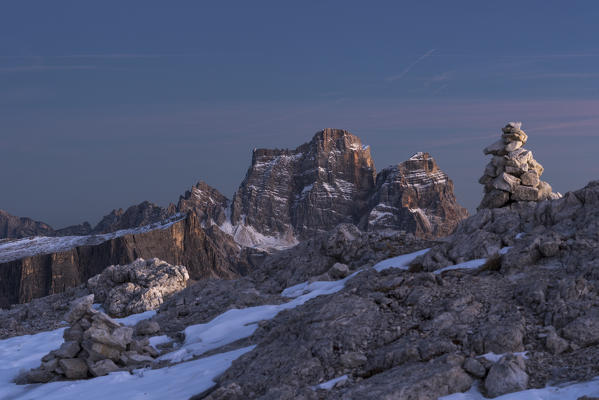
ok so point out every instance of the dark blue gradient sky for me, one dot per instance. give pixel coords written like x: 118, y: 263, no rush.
x: 106, y: 104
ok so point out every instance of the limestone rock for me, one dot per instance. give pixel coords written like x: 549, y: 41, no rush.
x: 79, y: 308
x: 74, y: 368
x: 506, y: 376
x: 137, y: 287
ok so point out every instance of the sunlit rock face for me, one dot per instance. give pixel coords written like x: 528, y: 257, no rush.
x: 415, y: 196
x: 310, y: 189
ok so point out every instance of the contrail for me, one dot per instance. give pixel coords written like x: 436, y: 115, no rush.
x: 409, y: 67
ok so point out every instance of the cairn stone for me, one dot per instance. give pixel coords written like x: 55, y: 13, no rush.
x: 513, y: 175
x: 94, y: 345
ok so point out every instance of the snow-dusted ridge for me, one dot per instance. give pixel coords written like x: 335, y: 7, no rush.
x: 27, y: 247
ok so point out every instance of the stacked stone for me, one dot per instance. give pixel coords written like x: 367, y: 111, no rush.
x: 94, y: 345
x: 513, y: 175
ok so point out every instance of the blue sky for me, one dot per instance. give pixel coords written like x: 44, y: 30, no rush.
x: 106, y: 104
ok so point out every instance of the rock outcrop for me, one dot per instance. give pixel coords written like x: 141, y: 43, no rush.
x: 414, y: 196
x: 332, y: 180
x: 307, y: 190
x: 17, y: 227
x: 94, y: 345
x: 207, y: 253
x: 513, y: 175
x: 144, y: 213
x: 210, y: 205
x: 137, y: 287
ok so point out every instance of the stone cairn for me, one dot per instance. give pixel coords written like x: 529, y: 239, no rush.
x: 95, y: 345
x: 513, y: 175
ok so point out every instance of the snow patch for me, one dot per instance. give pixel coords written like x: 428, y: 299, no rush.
x: 496, y: 357
x: 401, y: 262
x: 328, y: 385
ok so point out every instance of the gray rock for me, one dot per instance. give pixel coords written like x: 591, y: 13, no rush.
x: 68, y: 350
x: 39, y: 375
x: 339, y: 271
x: 530, y: 179
x: 506, y: 376
x: 137, y: 287
x: 79, y: 308
x: 74, y: 368
x: 475, y: 368
x: 584, y: 331
x: 353, y: 359
x: 103, y: 367
x: 525, y: 193
x: 147, y: 327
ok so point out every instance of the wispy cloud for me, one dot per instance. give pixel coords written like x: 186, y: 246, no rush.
x: 409, y: 67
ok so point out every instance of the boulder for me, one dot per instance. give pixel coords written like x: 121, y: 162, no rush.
x: 339, y: 271
x: 103, y: 367
x: 506, y: 376
x: 74, y: 368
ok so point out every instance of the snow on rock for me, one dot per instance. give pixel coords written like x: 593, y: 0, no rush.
x: 564, y: 392
x: 496, y: 357
x: 328, y: 385
x: 401, y: 262
x: 16, y: 249
x: 472, y: 264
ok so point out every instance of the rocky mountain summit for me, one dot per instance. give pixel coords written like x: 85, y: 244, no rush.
x: 332, y: 180
x: 513, y: 174
x: 16, y: 227
x: 415, y: 196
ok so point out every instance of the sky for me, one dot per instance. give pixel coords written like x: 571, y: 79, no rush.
x: 107, y: 104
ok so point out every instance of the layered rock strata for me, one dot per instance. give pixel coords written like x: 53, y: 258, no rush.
x: 94, y: 345
x: 207, y: 253
x: 513, y: 174
x: 307, y: 190
x: 414, y: 196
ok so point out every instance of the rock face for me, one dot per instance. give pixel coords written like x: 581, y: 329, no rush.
x: 17, y: 227
x: 513, y: 175
x: 332, y: 180
x: 210, y: 205
x: 207, y: 253
x: 137, y: 287
x: 307, y: 190
x: 415, y: 196
x: 94, y: 345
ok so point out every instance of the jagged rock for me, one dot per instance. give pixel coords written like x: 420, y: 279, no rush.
x: 74, y: 368
x: 210, y: 205
x: 137, y: 287
x: 506, y: 376
x: 144, y: 213
x: 414, y: 196
x: 18, y: 227
x: 307, y: 190
x: 530, y: 179
x: 554, y: 343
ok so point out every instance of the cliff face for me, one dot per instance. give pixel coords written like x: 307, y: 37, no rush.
x: 206, y: 253
x: 307, y: 190
x: 415, y: 196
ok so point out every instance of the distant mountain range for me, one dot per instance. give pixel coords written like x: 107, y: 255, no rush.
x: 286, y: 197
